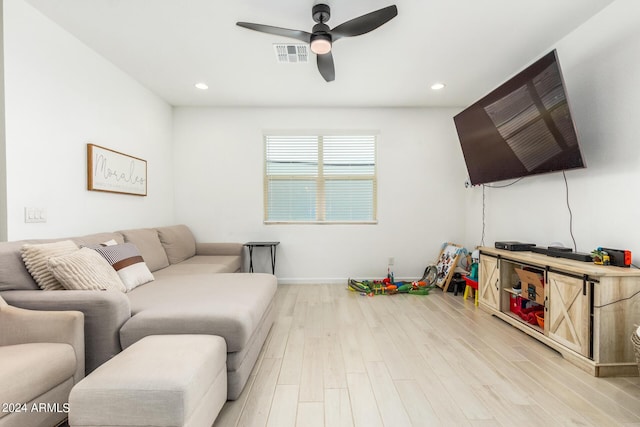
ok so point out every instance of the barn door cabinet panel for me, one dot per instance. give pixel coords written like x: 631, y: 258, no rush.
x: 568, y: 311
x: 616, y: 309
x: 490, y: 277
x: 589, y: 310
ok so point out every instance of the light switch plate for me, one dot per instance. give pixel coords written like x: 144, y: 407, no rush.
x: 32, y: 215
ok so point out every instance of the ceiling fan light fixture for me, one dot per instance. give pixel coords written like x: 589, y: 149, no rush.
x: 320, y: 44
x: 321, y: 37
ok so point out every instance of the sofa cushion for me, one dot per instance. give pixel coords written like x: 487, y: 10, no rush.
x: 36, y: 258
x: 178, y: 242
x: 183, y: 269
x: 148, y: 243
x: 14, y: 272
x: 32, y: 369
x: 228, y: 263
x: 85, y: 269
x: 126, y: 260
x: 227, y: 304
x: 219, y: 248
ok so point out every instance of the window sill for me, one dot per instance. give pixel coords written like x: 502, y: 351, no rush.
x: 320, y: 222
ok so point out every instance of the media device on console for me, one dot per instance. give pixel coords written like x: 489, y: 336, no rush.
x: 619, y: 257
x: 510, y: 245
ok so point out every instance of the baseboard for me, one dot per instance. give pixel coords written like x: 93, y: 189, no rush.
x: 332, y: 280
x: 311, y: 281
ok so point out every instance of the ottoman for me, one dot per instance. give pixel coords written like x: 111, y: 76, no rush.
x: 161, y: 380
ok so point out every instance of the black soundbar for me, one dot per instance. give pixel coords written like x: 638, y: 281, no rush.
x: 545, y: 251
x: 552, y: 251
x: 540, y: 250
x: 577, y: 256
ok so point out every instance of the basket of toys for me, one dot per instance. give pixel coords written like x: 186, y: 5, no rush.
x: 635, y: 339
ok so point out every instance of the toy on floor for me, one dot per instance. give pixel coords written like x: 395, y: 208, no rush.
x: 385, y: 287
x: 472, y: 279
x: 448, y: 259
x: 475, y: 259
x: 389, y: 286
x: 430, y: 275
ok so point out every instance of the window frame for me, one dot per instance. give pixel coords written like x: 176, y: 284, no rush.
x: 321, y: 178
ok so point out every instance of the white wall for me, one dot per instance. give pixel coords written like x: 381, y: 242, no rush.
x: 3, y: 160
x: 219, y: 169
x: 601, y: 64
x: 60, y: 95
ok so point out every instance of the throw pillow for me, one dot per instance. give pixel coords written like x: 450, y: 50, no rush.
x: 148, y: 243
x: 178, y: 242
x: 85, y: 269
x: 36, y: 258
x: 100, y: 245
x: 128, y: 263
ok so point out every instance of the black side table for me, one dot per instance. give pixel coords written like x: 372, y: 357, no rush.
x: 270, y: 245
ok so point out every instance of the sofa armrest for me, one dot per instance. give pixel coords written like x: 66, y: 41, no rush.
x: 219, y: 248
x: 21, y: 326
x: 104, y: 314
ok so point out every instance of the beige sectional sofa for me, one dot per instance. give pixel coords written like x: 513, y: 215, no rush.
x: 197, y: 289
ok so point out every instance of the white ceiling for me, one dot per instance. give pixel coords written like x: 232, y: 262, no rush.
x: 169, y: 45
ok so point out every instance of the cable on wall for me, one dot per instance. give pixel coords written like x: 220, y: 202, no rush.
x: 566, y: 186
x: 505, y: 185
x: 483, y: 223
x: 484, y: 186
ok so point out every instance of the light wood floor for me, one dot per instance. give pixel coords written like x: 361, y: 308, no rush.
x: 335, y: 358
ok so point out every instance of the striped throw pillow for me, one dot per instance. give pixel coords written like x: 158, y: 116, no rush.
x: 84, y: 269
x: 128, y: 263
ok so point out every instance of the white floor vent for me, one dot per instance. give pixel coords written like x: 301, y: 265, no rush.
x: 291, y: 53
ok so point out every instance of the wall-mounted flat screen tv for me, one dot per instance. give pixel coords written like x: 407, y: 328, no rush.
x: 524, y: 127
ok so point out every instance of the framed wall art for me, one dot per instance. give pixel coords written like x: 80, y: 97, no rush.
x: 115, y: 172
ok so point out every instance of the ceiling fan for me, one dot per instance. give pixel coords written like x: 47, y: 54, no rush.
x: 322, y: 37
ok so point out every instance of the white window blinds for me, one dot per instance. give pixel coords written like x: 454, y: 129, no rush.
x: 320, y: 178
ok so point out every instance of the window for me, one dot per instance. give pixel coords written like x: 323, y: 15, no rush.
x: 320, y: 178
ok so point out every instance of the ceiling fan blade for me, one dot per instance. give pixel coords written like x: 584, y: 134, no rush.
x: 325, y: 66
x: 303, y: 36
x: 364, y: 23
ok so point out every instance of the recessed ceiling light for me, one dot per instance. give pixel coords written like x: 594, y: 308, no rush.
x: 438, y: 86
x: 202, y: 86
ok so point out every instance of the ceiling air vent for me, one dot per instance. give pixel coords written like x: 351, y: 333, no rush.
x: 291, y: 53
